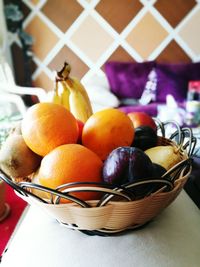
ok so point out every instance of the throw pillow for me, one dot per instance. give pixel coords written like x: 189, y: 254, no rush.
x: 174, y: 78
x: 128, y: 79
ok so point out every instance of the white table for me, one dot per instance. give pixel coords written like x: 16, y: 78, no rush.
x: 171, y: 240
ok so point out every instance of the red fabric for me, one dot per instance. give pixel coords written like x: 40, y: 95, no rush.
x: 7, y: 226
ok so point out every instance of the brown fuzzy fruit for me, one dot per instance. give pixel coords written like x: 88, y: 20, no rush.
x: 16, y: 159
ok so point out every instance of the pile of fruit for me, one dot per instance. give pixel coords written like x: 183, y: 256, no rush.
x: 62, y: 142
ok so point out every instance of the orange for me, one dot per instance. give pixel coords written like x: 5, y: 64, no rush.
x: 70, y: 163
x: 46, y: 126
x: 106, y: 130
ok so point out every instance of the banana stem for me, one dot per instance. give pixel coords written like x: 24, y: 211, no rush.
x: 63, y: 74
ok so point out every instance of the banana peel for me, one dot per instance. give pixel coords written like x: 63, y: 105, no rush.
x: 70, y: 93
x: 55, y: 97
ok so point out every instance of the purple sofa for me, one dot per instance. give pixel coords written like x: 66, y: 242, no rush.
x: 129, y: 81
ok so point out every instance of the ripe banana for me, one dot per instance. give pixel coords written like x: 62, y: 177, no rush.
x: 73, y: 94
x: 64, y: 95
x: 55, y: 98
x: 60, y: 94
x: 79, y: 106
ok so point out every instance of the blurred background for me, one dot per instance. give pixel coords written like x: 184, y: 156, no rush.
x: 88, y: 33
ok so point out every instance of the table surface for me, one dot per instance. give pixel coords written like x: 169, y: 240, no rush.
x: 170, y: 240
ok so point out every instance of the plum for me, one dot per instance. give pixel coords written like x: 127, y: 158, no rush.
x: 145, y: 137
x: 141, y: 191
x: 158, y: 170
x: 126, y: 165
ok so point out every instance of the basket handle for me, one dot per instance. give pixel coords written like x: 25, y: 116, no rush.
x: 162, y: 127
x: 188, y: 140
x: 64, y: 191
x: 130, y: 186
x: 21, y: 188
x: 183, y: 136
x: 53, y: 192
x: 17, y: 188
x: 99, y: 187
x: 177, y: 169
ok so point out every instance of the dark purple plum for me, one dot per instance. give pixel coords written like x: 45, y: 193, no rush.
x: 126, y: 165
x: 158, y: 170
x: 141, y: 191
x: 145, y: 137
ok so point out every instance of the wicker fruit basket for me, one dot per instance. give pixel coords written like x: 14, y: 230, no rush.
x: 118, y: 209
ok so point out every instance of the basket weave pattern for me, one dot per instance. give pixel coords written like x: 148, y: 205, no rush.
x: 116, y: 214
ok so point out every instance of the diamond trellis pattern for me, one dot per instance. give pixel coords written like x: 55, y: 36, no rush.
x: 88, y: 33
x: 120, y: 54
x: 190, y: 33
x: 62, y: 13
x: 91, y: 38
x: 173, y: 53
x: 120, y: 14
x: 174, y: 13
x: 44, y: 38
x: 146, y: 35
x: 65, y: 54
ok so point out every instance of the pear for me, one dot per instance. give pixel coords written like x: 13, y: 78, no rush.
x: 166, y: 156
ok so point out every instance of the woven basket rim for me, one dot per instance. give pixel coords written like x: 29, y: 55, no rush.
x: 178, y: 183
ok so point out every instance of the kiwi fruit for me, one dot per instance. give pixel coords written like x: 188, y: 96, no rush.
x: 16, y: 159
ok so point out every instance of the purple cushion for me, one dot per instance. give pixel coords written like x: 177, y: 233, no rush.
x: 173, y: 79
x: 128, y: 79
